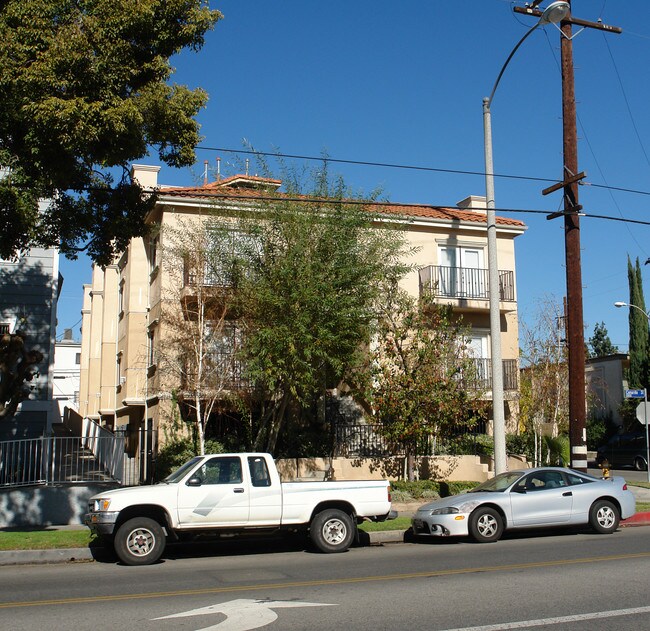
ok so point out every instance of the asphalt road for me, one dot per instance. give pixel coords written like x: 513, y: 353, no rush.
x: 546, y: 581
x: 629, y: 474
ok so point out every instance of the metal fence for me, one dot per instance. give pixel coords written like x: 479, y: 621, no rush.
x: 368, y: 441
x: 66, y: 460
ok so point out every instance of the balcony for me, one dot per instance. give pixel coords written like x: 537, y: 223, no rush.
x: 483, y: 377
x: 213, y: 292
x: 467, y: 287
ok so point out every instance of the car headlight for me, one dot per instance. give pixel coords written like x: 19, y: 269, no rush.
x: 448, y: 510
x: 102, y: 504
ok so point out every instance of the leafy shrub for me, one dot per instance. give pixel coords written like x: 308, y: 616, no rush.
x: 175, y: 453
x: 521, y: 445
x: 467, y: 445
x: 427, y: 489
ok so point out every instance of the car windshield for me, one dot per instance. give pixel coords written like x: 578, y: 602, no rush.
x: 179, y: 473
x: 498, y: 483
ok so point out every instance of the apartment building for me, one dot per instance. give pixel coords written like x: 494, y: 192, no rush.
x: 122, y: 387
x: 67, y: 362
x: 29, y: 289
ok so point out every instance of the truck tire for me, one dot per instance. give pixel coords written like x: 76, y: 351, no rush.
x: 332, y: 530
x: 139, y: 541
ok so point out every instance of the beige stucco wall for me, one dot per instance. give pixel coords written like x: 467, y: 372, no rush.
x: 107, y: 331
x: 448, y: 468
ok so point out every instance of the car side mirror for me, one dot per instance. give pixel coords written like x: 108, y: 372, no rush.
x: 194, y: 482
x: 519, y: 489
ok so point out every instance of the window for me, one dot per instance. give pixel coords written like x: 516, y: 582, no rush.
x: 259, y: 471
x: 225, y: 470
x: 577, y: 479
x: 462, y: 272
x: 151, y: 347
x: 77, y: 359
x: 542, y: 480
x: 153, y: 254
x: 5, y: 328
x: 120, y: 299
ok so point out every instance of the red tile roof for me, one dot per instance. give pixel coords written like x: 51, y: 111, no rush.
x: 223, y: 189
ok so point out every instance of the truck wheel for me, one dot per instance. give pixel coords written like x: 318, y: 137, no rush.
x: 139, y: 541
x: 485, y: 525
x: 604, y: 517
x: 332, y: 530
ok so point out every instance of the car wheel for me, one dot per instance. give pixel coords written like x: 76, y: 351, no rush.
x: 485, y: 525
x: 640, y: 464
x: 332, y: 530
x: 604, y: 517
x: 139, y: 541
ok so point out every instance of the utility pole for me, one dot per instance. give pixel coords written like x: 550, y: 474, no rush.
x: 570, y: 179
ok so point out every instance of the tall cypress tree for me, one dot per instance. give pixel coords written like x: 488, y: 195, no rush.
x: 638, y: 374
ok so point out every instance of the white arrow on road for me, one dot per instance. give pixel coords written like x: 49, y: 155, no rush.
x: 243, y: 614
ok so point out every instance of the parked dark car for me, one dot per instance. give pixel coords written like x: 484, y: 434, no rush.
x: 625, y: 450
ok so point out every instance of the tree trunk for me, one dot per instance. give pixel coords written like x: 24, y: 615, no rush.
x: 276, y: 424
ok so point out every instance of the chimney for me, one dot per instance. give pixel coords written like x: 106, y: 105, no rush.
x: 67, y: 334
x: 475, y: 203
x: 145, y: 175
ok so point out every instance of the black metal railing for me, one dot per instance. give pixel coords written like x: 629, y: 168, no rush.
x: 441, y: 281
x: 369, y: 441
x: 483, y: 374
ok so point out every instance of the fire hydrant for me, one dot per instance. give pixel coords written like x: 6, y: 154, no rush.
x: 604, y: 465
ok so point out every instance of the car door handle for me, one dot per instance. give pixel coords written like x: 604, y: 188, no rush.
x: 238, y: 490
x: 567, y: 494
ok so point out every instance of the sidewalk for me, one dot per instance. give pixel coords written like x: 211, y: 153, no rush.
x: 68, y: 555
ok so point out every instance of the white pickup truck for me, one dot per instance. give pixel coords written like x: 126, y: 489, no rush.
x: 232, y: 494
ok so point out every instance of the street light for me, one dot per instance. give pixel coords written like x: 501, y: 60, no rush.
x: 645, y: 392
x: 554, y: 13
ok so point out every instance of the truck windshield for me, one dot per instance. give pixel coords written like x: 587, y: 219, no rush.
x: 180, y: 473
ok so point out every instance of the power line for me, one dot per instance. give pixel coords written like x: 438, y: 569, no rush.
x: 370, y: 202
x: 391, y: 165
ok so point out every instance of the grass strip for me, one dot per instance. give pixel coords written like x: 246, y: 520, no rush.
x: 14, y: 539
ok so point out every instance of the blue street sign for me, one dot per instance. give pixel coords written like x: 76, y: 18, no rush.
x: 634, y: 394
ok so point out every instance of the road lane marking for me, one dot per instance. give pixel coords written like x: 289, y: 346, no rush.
x: 321, y: 582
x: 525, y: 624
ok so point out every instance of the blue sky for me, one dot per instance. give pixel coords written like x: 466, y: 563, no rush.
x: 403, y: 83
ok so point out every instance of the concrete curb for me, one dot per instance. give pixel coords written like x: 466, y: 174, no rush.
x: 39, y: 557
x: 639, y: 519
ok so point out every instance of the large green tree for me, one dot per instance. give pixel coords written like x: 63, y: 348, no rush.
x: 18, y: 367
x: 309, y: 290
x: 638, y: 323
x: 600, y: 343
x: 424, y: 380
x: 85, y: 90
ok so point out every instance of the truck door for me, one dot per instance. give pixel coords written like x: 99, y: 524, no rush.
x: 265, y: 496
x: 215, y: 495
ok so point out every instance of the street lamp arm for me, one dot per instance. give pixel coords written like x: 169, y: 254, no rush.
x: 627, y: 304
x: 505, y: 65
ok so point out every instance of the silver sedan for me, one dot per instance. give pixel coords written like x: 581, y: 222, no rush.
x: 528, y: 498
